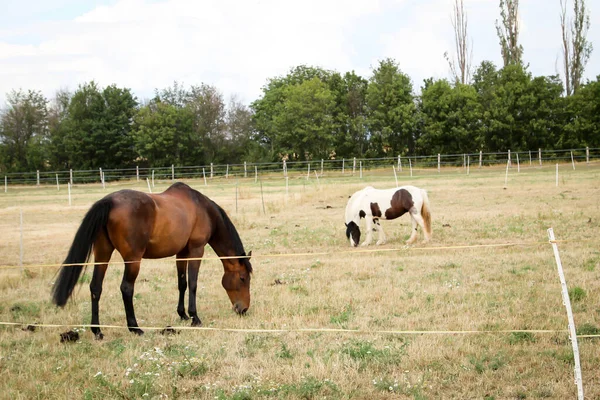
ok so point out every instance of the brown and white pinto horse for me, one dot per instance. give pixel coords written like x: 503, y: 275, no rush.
x: 180, y: 221
x: 374, y: 204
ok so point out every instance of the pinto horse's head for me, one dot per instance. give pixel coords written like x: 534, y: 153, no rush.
x: 353, y: 233
x: 236, y: 282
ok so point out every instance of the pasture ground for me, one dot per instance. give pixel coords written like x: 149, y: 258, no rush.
x: 437, y: 287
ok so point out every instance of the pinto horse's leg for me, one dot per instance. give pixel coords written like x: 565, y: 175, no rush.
x: 193, y: 269
x: 382, y: 237
x: 415, y: 218
x: 418, y: 219
x: 102, y: 251
x: 368, y: 230
x: 182, y: 284
x: 132, y: 269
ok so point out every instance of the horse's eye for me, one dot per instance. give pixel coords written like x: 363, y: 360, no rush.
x: 242, y: 279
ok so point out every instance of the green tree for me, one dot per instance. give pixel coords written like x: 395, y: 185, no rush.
x: 303, y: 121
x: 583, y: 118
x: 450, y: 118
x: 349, y: 116
x: 391, y: 111
x: 208, y: 111
x: 58, y: 113
x: 24, y: 131
x: 98, y: 127
x: 162, y: 134
x: 508, y: 32
x: 268, y: 110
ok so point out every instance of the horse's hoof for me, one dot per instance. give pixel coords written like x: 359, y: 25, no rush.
x: 99, y: 336
x: 184, y: 316
x: 137, y: 331
x: 196, y: 322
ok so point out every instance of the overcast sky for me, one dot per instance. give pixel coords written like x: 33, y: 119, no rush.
x: 236, y: 45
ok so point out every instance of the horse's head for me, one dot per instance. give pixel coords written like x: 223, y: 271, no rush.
x: 236, y: 282
x: 353, y: 233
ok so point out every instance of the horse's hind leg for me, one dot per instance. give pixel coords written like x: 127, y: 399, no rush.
x: 102, y: 251
x: 182, y: 284
x: 132, y: 269
x: 416, y: 218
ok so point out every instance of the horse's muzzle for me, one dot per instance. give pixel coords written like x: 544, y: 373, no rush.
x: 241, y: 310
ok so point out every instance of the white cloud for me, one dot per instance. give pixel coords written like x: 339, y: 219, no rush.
x: 237, y: 45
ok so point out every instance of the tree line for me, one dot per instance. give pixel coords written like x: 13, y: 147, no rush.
x: 314, y: 113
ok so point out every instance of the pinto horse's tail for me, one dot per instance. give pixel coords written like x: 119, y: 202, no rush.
x: 426, y: 214
x: 79, y: 253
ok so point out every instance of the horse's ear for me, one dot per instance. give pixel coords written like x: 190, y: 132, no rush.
x: 345, y: 224
x: 249, y: 254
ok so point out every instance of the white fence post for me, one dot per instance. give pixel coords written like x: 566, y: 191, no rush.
x: 567, y: 303
x: 321, y: 167
x: 149, y: 188
x: 343, y: 165
x: 204, y: 176
x: 21, y: 239
x: 57, y: 186
x: 587, y: 155
x: 518, y: 165
x: 438, y: 164
x: 137, y: 173
x: 354, y: 166
x: 572, y: 160
x: 38, y: 177
x: 540, y: 156
x: 360, y: 164
x: 509, y: 162
x: 211, y: 170
x: 71, y: 176
x: 172, y: 172
x: 308, y: 173
x: 480, y: 158
x: 245, y: 170
x: 410, y: 166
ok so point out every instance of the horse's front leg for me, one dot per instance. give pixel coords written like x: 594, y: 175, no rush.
x: 182, y: 284
x: 382, y: 238
x: 132, y: 269
x: 193, y: 269
x: 368, y: 231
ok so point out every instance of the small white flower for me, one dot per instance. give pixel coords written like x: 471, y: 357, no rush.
x: 131, y: 381
x: 98, y: 374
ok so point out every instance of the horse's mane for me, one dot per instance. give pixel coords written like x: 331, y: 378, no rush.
x: 235, y: 237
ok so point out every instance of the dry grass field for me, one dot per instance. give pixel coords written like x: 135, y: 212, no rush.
x: 326, y: 320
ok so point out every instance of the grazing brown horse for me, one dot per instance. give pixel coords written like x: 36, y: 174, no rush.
x: 180, y: 221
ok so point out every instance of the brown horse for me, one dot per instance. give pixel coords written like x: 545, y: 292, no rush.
x: 180, y: 221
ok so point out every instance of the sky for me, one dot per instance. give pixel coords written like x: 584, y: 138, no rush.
x: 237, y: 45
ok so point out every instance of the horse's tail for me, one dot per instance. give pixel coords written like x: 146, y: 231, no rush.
x: 81, y: 248
x: 426, y: 214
